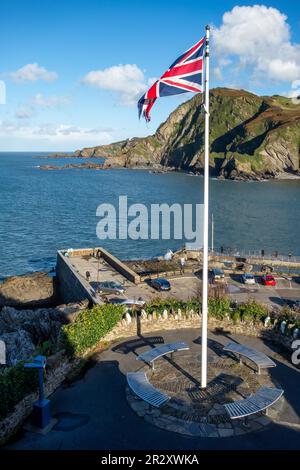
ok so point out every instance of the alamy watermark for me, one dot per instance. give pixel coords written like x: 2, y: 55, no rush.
x: 156, y: 222
x: 2, y: 92
x: 296, y: 354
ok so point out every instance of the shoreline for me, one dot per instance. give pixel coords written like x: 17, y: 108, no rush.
x: 156, y: 169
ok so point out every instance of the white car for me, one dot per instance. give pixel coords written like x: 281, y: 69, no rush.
x: 128, y: 302
x: 248, y: 279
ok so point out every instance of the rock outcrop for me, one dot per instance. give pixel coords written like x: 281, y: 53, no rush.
x: 19, y: 346
x: 24, y: 330
x: 251, y: 137
x: 28, y: 291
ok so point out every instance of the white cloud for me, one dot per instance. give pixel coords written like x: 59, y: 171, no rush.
x: 66, y: 133
x: 128, y: 81
x: 294, y: 93
x: 32, y: 73
x: 260, y: 38
x: 217, y: 73
x: 52, y: 101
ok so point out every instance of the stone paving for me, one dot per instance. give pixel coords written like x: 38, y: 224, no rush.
x: 195, y: 412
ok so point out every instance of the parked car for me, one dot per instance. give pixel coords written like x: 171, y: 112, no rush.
x: 108, y: 287
x: 130, y: 303
x: 217, y: 275
x: 248, y: 278
x: 269, y: 280
x: 160, y: 284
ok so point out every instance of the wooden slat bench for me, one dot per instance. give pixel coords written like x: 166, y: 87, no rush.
x: 140, y: 385
x: 261, y: 360
x: 260, y: 401
x: 150, y: 356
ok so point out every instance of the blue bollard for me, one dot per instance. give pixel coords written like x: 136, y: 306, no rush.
x: 41, y: 408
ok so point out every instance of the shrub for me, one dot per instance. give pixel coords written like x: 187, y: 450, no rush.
x: 15, y: 383
x: 235, y: 316
x: 159, y: 305
x: 252, y: 311
x: 90, y: 326
x: 219, y: 307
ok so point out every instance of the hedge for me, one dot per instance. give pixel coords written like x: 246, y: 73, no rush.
x: 15, y: 383
x: 90, y: 326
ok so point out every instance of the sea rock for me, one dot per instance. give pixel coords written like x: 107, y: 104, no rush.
x: 19, y: 346
x: 41, y: 324
x: 29, y: 291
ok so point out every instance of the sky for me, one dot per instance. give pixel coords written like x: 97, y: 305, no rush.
x: 73, y: 70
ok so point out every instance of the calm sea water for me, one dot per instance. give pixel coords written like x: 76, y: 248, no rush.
x: 42, y: 211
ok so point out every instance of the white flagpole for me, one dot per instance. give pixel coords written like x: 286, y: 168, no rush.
x: 212, y: 233
x: 205, y: 222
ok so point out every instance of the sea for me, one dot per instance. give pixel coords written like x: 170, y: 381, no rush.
x: 43, y: 211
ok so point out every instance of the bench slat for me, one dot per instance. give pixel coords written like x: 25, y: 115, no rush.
x: 155, y: 353
x: 141, y: 386
x: 264, y: 398
x: 259, y: 358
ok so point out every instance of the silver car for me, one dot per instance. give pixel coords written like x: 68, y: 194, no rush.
x: 130, y: 303
x: 108, y: 287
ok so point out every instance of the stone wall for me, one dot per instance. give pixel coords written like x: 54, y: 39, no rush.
x: 59, y: 367
x: 120, y: 267
x: 72, y: 286
x: 148, y: 323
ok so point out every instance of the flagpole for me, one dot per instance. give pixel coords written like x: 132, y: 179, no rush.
x: 205, y: 222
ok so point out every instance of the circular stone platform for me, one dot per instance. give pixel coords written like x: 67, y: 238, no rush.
x: 196, y: 412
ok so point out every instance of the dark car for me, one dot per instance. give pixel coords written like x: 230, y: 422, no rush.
x: 217, y: 276
x: 160, y: 284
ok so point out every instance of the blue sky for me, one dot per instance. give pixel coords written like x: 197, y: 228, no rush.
x: 49, y: 48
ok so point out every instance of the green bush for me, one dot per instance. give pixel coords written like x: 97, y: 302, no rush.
x: 15, y: 383
x: 219, y: 307
x: 252, y: 311
x: 90, y: 326
x: 235, y: 316
x: 159, y: 305
x: 172, y: 305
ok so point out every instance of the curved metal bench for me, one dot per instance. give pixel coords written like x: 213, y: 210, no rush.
x: 260, y: 401
x: 140, y: 385
x: 150, y: 356
x: 261, y: 360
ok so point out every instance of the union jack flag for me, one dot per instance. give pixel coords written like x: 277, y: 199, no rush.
x: 184, y: 75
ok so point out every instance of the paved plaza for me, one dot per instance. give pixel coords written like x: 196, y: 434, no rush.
x: 94, y: 413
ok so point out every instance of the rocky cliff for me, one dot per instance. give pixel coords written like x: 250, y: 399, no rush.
x: 251, y: 137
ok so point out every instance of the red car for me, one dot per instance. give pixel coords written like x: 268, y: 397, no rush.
x: 269, y: 280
